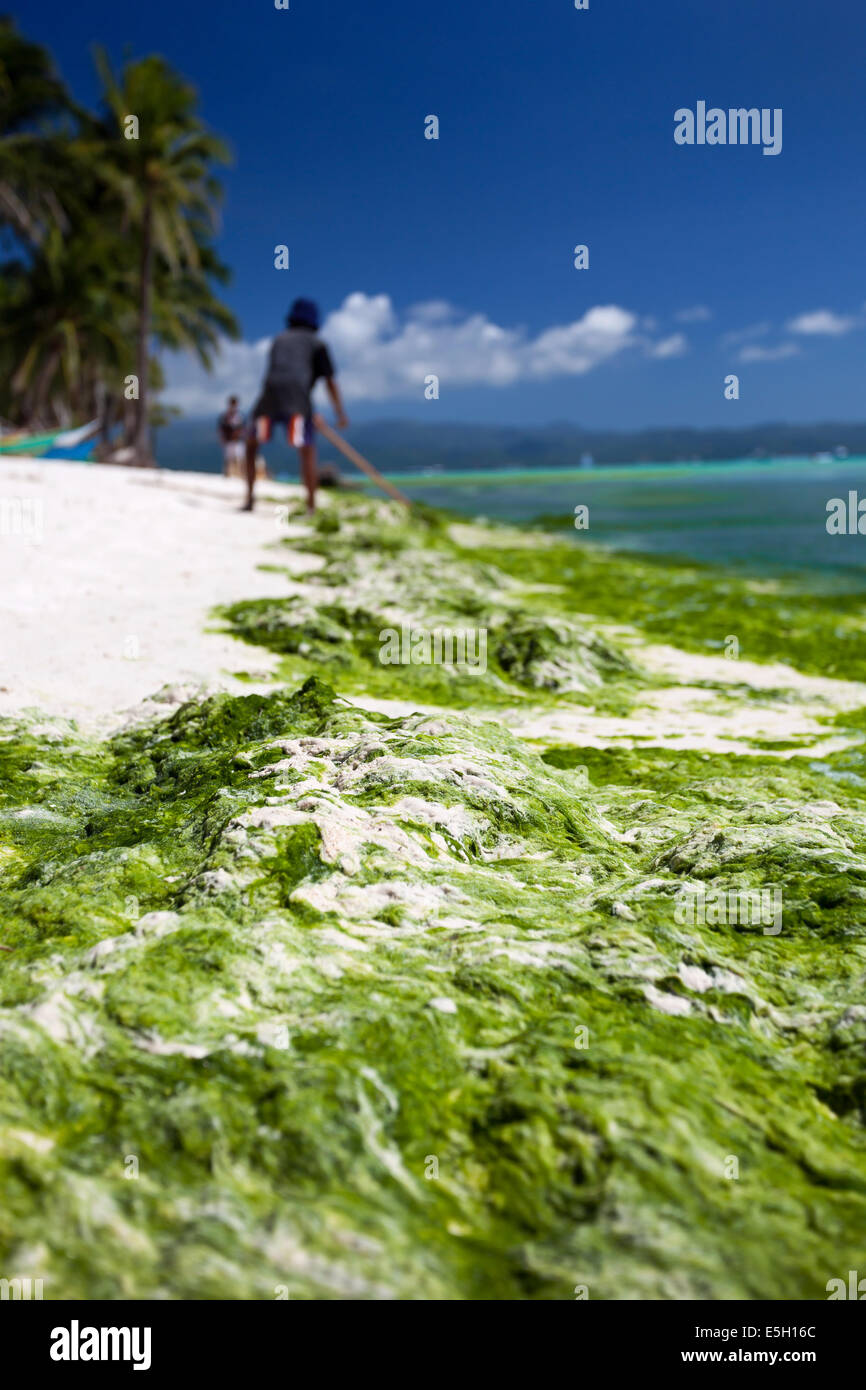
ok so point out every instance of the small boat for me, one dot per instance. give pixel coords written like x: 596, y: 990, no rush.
x: 27, y: 443
x: 75, y: 437
x: 56, y: 444
x: 73, y: 452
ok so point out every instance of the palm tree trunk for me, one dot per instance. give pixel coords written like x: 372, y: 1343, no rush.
x: 104, y: 410
x: 39, y: 404
x: 141, y: 440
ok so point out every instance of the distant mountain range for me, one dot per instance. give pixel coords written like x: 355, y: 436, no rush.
x: 406, y: 446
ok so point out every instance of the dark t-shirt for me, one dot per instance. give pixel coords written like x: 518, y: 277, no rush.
x: 298, y: 359
x: 231, y: 426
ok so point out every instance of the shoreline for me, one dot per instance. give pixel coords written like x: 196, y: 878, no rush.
x: 614, y: 470
x: 117, y: 600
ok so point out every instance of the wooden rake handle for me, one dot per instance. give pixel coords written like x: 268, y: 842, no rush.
x: 358, y: 459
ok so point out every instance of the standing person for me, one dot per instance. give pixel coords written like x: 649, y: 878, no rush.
x: 297, y: 361
x: 230, y: 427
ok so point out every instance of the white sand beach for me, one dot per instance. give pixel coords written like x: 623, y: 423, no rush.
x: 108, y: 577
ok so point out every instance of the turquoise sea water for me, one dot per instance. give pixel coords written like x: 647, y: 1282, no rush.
x: 768, y: 516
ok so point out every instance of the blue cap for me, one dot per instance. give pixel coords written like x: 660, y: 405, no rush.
x: 304, y: 313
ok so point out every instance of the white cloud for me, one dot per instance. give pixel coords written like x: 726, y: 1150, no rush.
x: 756, y: 353
x: 822, y: 321
x: 432, y: 310
x: 674, y: 346
x: 742, y: 335
x: 698, y: 313
x: 238, y: 371
x: 576, y: 347
x: 380, y: 355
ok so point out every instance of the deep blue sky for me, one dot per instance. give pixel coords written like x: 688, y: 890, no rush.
x: 556, y: 128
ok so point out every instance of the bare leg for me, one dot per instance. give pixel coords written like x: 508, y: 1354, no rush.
x: 252, y: 450
x: 309, y: 473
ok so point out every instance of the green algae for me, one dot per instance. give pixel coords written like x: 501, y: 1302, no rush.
x: 414, y: 567
x: 297, y: 991
x: 698, y: 607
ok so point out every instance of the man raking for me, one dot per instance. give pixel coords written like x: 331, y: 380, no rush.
x: 298, y: 359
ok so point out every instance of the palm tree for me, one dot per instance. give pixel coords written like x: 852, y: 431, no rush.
x: 29, y: 86
x: 163, y: 179
x: 187, y: 315
x: 67, y: 326
x: 114, y: 240
x: 33, y: 106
